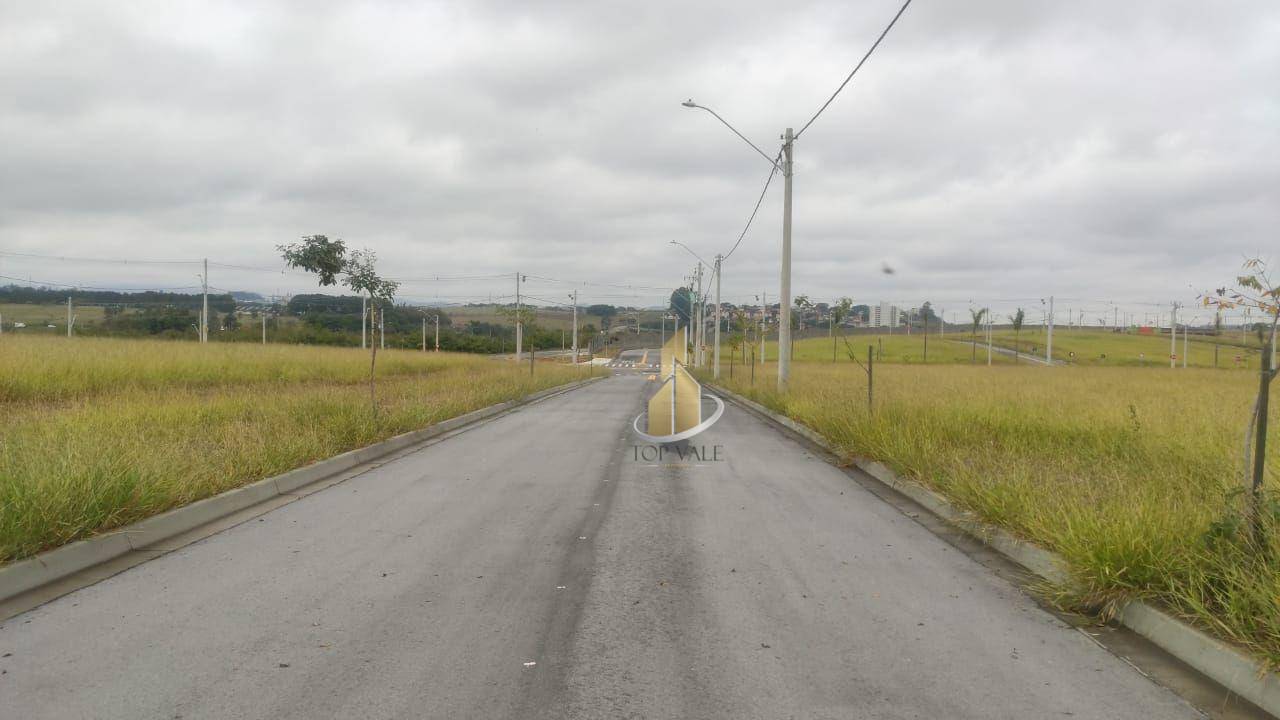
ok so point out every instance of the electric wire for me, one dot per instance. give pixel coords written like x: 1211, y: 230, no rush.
x: 855, y: 69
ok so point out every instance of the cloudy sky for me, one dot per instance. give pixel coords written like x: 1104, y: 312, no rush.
x: 991, y: 151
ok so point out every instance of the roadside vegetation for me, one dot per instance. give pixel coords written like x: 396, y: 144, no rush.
x: 97, y: 433
x: 1133, y: 475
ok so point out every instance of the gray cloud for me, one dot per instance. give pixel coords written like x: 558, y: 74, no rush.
x: 996, y: 151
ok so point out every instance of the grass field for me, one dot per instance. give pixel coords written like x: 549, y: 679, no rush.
x: 98, y: 433
x: 898, y: 348
x: 1078, y: 347
x: 37, y: 316
x: 1130, y: 474
x: 1087, y: 347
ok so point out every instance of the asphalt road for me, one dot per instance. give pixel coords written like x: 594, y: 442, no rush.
x: 537, y: 566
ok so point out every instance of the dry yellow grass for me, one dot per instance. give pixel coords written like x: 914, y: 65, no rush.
x: 100, y: 433
x: 1131, y: 474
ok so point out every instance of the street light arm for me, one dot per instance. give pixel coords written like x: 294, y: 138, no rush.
x: 691, y: 252
x: 763, y: 154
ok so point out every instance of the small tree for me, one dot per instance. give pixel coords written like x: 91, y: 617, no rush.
x: 978, y: 315
x: 1017, y: 319
x: 1255, y: 291
x: 839, y: 312
x: 356, y: 270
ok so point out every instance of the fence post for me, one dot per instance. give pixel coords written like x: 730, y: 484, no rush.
x: 870, y: 379
x: 531, y: 354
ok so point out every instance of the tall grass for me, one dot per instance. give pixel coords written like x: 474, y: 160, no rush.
x: 101, y: 433
x: 1131, y: 475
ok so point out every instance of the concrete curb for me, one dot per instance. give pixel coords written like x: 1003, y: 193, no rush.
x: 48, y: 567
x: 1231, y: 668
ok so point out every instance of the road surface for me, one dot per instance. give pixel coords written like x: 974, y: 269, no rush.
x: 540, y: 565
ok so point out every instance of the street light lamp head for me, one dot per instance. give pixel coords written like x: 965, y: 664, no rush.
x: 689, y: 103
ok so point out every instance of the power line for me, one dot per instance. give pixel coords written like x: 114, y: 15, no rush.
x: 855, y: 69
x: 773, y: 171
x: 115, y: 261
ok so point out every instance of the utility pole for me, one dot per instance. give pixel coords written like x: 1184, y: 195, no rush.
x: 204, y: 321
x: 1048, y: 346
x: 264, y: 327
x: 68, y: 316
x: 784, y: 329
x: 1173, y: 337
x: 382, y: 328
x: 519, y: 329
x: 424, y: 333
x: 437, y: 332
x: 715, y: 371
x: 1185, y: 346
x: 575, y: 327
x: 764, y: 312
x: 364, y: 319
x: 989, y: 324
x: 700, y: 332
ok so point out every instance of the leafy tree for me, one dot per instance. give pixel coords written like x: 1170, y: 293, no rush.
x: 606, y: 313
x: 357, y: 270
x: 230, y: 321
x: 681, y: 305
x: 839, y: 312
x: 1255, y: 291
x: 803, y: 307
x: 1017, y: 319
x: 978, y: 315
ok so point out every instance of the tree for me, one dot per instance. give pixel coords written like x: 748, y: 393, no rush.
x: 230, y: 321
x: 1017, y: 319
x: 356, y: 270
x: 682, y: 305
x: 803, y: 307
x: 978, y: 315
x: 839, y: 312
x: 1255, y: 291
x: 606, y: 314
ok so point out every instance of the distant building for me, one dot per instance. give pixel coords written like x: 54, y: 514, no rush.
x: 885, y: 315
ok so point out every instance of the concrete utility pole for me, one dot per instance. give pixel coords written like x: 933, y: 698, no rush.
x: 1173, y: 337
x: 989, y: 324
x: 264, y: 327
x: 784, y: 329
x: 700, y: 332
x: 69, y: 316
x: 1048, y: 345
x: 715, y: 371
x: 764, y: 313
x: 574, y: 295
x: 364, y: 319
x: 204, y: 319
x: 1185, y: 347
x: 519, y: 329
x: 437, y: 333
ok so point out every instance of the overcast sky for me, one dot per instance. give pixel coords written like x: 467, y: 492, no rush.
x: 990, y: 151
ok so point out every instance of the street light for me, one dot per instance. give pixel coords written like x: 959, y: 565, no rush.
x: 698, y: 332
x: 784, y: 329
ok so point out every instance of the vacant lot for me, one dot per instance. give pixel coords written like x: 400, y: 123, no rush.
x: 1103, y: 348
x: 1133, y: 475
x: 896, y: 348
x: 98, y: 433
